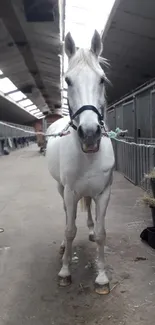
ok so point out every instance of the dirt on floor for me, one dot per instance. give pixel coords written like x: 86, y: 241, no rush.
x: 32, y: 216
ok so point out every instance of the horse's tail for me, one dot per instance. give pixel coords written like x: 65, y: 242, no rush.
x: 85, y: 203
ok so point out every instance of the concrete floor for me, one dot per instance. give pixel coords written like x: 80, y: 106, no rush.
x: 32, y: 216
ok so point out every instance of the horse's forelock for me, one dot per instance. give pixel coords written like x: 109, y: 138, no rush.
x: 84, y: 57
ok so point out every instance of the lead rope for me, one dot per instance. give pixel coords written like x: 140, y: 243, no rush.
x: 115, y: 134
x: 110, y: 134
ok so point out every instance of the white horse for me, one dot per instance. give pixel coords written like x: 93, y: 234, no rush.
x: 82, y: 162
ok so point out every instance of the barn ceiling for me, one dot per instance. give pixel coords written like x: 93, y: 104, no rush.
x: 30, y: 50
x: 129, y: 45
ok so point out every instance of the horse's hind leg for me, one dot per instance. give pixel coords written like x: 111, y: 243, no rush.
x: 61, y: 192
x: 90, y: 222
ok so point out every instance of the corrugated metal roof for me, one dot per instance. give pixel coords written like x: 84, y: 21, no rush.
x: 29, y: 50
x: 129, y: 45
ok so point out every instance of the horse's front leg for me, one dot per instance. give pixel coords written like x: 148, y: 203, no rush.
x: 70, y: 202
x: 101, y: 282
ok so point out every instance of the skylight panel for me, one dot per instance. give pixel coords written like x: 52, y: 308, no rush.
x: 16, y: 96
x: 25, y: 102
x: 6, y: 85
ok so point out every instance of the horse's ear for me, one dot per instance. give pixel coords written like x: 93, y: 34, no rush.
x: 69, y: 45
x: 96, y: 44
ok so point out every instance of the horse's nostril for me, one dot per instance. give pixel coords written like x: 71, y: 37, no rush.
x: 80, y: 132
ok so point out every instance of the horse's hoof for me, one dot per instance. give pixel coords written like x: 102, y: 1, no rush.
x: 102, y: 289
x: 92, y: 238
x: 64, y: 282
x: 62, y: 250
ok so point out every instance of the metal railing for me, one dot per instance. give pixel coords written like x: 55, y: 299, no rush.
x: 8, y: 132
x: 135, y: 161
x: 13, y: 136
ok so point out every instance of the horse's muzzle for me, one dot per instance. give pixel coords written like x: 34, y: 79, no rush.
x: 90, y: 148
x: 90, y: 138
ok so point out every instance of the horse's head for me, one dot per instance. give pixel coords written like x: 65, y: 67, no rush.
x: 86, y: 95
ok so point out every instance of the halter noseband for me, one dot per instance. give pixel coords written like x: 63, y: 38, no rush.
x: 83, y: 109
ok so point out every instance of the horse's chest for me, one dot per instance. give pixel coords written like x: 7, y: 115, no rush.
x: 85, y: 178
x: 91, y: 185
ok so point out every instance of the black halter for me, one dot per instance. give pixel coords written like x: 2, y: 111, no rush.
x: 81, y: 110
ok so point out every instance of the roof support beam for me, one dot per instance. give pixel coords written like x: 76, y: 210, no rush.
x: 9, y: 17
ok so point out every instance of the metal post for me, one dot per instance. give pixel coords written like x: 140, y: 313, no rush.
x: 151, y: 151
x: 151, y: 116
x: 135, y: 139
x: 115, y: 142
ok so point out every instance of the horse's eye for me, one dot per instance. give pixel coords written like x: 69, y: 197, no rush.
x: 102, y: 81
x: 68, y: 81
